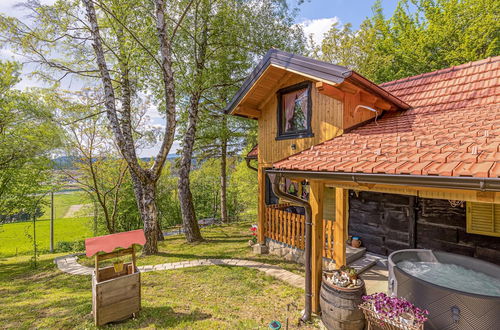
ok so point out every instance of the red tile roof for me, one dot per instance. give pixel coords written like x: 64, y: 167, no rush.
x: 253, y: 153
x: 452, y: 130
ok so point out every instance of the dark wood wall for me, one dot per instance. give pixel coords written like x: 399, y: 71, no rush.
x: 389, y: 222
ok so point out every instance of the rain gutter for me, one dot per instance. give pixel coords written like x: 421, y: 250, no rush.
x: 447, y: 182
x: 249, y: 165
x: 275, y: 179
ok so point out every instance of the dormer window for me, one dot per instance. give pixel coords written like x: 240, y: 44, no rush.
x: 294, y: 111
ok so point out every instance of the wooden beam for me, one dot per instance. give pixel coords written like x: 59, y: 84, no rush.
x: 340, y: 224
x: 115, y: 254
x: 262, y: 206
x: 316, y: 190
x: 349, y: 88
x: 133, y: 258
x: 251, y: 112
x: 384, y: 105
x: 329, y: 90
x: 284, y: 80
x: 368, y: 98
x: 96, y: 269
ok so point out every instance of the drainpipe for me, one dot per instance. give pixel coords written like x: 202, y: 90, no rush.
x: 250, y: 165
x: 275, y: 179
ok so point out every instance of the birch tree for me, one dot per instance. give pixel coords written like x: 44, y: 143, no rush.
x: 126, y: 47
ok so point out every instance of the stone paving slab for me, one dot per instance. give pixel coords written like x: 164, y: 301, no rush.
x: 69, y: 264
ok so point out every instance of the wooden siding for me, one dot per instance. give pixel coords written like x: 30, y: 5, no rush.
x: 329, y: 203
x: 326, y: 123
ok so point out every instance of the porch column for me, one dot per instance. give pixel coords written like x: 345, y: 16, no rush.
x: 316, y: 189
x: 262, y: 205
x: 340, y: 226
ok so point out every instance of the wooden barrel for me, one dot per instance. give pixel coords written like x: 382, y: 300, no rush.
x: 339, y: 307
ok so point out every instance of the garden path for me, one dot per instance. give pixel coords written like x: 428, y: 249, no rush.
x: 69, y: 264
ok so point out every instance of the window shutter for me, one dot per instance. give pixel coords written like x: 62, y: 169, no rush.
x: 483, y: 218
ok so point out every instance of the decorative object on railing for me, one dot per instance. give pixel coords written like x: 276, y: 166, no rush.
x: 391, y: 313
x: 289, y: 228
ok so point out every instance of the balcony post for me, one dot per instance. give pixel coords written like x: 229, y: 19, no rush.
x: 340, y: 226
x: 316, y: 189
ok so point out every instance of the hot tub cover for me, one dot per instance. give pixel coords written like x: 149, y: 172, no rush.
x: 108, y: 243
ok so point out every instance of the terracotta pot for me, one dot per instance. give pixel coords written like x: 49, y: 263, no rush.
x: 356, y: 243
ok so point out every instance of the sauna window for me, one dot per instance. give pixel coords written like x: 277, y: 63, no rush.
x: 483, y: 218
x: 294, y: 111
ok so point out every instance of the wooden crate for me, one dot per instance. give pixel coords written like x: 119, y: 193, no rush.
x: 115, y: 296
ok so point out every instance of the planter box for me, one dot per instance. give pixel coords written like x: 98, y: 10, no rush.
x: 375, y: 322
x: 116, y: 296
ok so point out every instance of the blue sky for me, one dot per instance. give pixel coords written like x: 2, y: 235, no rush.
x: 353, y: 11
x: 317, y: 16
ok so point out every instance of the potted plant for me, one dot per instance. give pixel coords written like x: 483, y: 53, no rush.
x: 350, y: 272
x: 253, y: 230
x: 118, y: 265
x: 392, y: 313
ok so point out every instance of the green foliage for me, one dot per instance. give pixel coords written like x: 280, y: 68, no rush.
x: 68, y: 246
x: 421, y: 36
x: 27, y: 137
x: 168, y: 200
x: 241, y: 193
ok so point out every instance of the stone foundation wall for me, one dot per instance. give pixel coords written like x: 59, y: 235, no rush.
x: 293, y: 254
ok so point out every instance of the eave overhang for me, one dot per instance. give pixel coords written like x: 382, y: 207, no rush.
x: 446, y: 182
x: 313, y: 69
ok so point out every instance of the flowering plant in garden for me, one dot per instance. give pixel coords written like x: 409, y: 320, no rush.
x: 393, y: 308
x: 253, y: 229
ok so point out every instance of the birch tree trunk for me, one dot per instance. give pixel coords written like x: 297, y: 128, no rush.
x: 190, y: 224
x: 223, y: 173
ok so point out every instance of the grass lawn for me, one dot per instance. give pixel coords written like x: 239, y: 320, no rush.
x: 62, y: 203
x: 224, y: 241
x: 14, y: 239
x: 210, y: 297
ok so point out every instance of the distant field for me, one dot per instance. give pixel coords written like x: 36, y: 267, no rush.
x: 13, y: 238
x: 62, y: 203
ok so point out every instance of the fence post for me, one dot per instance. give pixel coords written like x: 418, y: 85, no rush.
x: 51, y: 221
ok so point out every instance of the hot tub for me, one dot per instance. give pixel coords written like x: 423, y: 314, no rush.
x: 459, y: 292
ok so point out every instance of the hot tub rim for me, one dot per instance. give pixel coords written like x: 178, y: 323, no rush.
x: 474, y: 295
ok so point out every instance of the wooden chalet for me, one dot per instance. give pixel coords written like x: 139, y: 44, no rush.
x: 408, y: 163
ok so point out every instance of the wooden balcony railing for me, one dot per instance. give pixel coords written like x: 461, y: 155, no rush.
x: 290, y: 228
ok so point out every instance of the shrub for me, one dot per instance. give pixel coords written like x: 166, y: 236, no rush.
x: 65, y: 246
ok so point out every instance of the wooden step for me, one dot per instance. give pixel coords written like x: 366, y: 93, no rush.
x: 364, y: 263
x: 353, y: 254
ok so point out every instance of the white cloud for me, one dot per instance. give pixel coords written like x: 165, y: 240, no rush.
x: 9, y: 8
x: 318, y: 27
